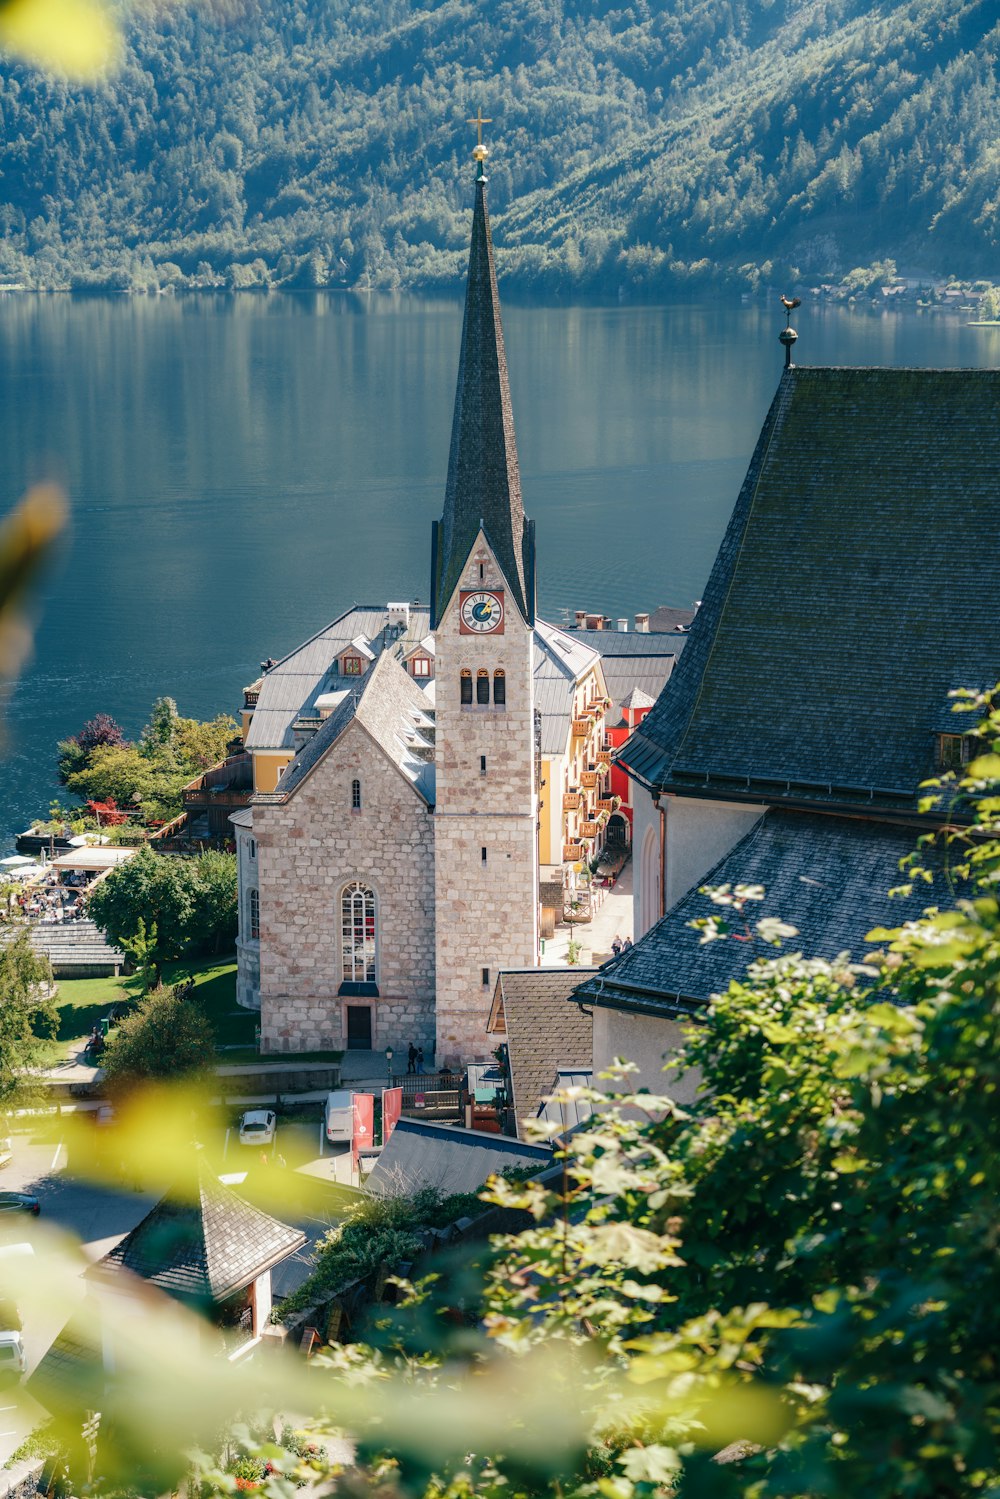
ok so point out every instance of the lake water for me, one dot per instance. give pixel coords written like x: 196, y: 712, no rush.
x: 243, y: 469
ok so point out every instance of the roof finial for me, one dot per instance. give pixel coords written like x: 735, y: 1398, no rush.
x: 788, y: 335
x: 479, y: 151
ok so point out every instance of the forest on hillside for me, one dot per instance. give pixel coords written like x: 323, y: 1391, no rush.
x: 642, y: 145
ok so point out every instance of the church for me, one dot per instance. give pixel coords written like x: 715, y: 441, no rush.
x: 389, y: 859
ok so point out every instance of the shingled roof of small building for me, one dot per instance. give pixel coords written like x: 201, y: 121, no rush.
x: 827, y: 876
x: 542, y: 1031
x: 849, y: 596
x: 484, y: 480
x: 202, y: 1242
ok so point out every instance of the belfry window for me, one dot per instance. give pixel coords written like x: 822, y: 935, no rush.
x: 499, y: 688
x: 355, y: 796
x: 482, y: 687
x: 358, y: 933
x: 466, y: 687
x: 253, y: 903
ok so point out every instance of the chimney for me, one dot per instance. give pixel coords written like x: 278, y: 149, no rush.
x: 623, y: 627
x: 642, y: 624
x: 580, y: 615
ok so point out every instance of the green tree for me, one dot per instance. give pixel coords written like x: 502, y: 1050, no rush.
x: 167, y: 1038
x: 28, y: 1018
x: 151, y: 892
x: 162, y: 723
x: 214, y: 919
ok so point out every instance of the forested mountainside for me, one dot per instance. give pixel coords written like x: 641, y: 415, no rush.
x: 646, y: 144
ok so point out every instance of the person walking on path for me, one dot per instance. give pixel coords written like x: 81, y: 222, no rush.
x: 411, y: 1059
x: 420, y: 1062
x: 616, y: 946
x: 626, y: 944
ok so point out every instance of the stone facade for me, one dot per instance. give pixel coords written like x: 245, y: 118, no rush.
x: 309, y: 848
x: 486, y: 802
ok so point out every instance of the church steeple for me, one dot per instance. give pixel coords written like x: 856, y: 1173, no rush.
x: 484, y: 484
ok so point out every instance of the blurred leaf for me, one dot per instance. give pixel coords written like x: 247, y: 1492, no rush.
x: 75, y: 38
x: 26, y: 539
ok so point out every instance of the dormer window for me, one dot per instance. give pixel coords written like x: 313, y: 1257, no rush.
x: 351, y: 666
x: 421, y: 666
x: 956, y: 750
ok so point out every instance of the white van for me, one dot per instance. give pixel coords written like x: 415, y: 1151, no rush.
x: 338, y: 1117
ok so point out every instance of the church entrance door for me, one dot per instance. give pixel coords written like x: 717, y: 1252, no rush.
x: 359, y: 1028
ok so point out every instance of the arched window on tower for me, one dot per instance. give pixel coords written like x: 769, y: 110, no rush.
x: 482, y: 686
x: 358, y: 933
x: 355, y: 796
x: 466, y: 687
x: 500, y: 688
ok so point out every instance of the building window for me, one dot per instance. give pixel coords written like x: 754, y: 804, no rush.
x: 352, y: 666
x: 499, y: 688
x: 486, y: 976
x: 466, y: 687
x: 482, y: 855
x: 482, y: 686
x: 254, y: 922
x: 482, y: 765
x: 355, y: 796
x: 253, y: 848
x: 357, y: 910
x: 482, y: 571
x: 421, y: 666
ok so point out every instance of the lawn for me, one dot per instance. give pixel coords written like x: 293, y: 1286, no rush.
x: 81, y: 1003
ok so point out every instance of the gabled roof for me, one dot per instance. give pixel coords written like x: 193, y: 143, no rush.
x: 204, y: 1243
x: 388, y: 703
x: 560, y: 661
x: 827, y: 876
x: 851, y: 592
x: 447, y: 1159
x: 633, y: 658
x: 484, y: 481
x: 637, y: 699
x: 291, y: 687
x: 544, y: 1034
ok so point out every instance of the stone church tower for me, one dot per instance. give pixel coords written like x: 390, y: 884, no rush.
x: 483, y: 615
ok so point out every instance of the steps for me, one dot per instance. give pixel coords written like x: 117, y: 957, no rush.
x: 76, y: 949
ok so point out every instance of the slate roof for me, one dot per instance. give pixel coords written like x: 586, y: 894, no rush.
x: 828, y: 876
x: 484, y: 481
x: 632, y: 658
x: 388, y: 703
x: 290, y: 688
x: 849, y: 595
x: 203, y: 1244
x: 544, y: 1034
x: 447, y: 1159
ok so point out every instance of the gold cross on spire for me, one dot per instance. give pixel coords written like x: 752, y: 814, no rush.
x: 480, y: 152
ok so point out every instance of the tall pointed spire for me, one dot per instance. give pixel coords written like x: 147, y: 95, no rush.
x: 484, y: 484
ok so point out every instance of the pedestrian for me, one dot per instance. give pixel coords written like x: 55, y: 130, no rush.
x: 420, y: 1062
x: 626, y: 944
x: 411, y: 1059
x: 616, y: 945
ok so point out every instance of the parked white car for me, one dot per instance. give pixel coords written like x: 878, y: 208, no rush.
x: 257, y: 1127
x: 12, y: 1359
x: 338, y: 1117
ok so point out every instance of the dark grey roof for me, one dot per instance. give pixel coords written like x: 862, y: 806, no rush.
x: 665, y: 618
x: 202, y: 1243
x: 630, y: 642
x: 828, y: 876
x: 484, y: 482
x: 850, y: 594
x: 544, y: 1034
x: 447, y: 1159
x: 633, y: 659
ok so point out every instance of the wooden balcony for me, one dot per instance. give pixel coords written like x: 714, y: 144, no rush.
x: 572, y: 800
x: 581, y: 728
x: 572, y: 853
x: 605, y: 804
x: 589, y: 779
x: 603, y: 756
x: 588, y: 829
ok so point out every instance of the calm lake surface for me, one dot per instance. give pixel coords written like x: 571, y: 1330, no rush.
x: 243, y: 469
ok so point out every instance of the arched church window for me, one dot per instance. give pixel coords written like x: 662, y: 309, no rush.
x: 358, y: 933
x: 499, y: 687
x: 482, y: 686
x: 355, y: 796
x: 466, y: 687
x: 253, y: 903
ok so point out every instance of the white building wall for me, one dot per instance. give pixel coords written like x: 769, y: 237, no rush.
x: 247, y: 947
x: 699, y: 833
x: 649, y: 1043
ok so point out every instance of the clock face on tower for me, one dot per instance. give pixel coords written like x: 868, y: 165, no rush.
x: 481, y: 612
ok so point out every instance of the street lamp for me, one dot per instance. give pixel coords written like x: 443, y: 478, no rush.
x: 388, y: 1063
